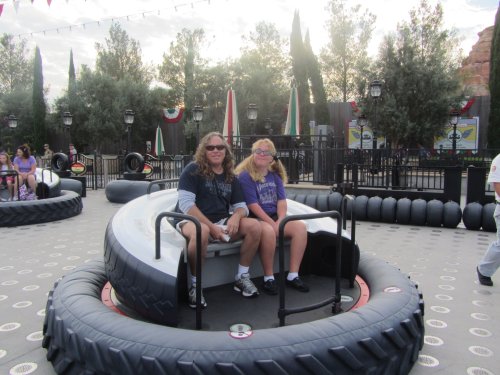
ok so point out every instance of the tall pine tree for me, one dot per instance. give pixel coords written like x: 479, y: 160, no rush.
x: 39, y: 106
x: 299, y: 68
x: 494, y: 125
x: 321, y: 114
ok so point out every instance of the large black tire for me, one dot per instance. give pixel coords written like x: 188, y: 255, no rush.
x: 403, y: 211
x: 72, y: 185
x: 82, y: 335
x: 373, y: 209
x: 133, y: 162
x: 388, y: 210
x: 472, y: 216
x: 123, y: 191
x: 488, y: 221
x: 435, y: 213
x: 59, y: 162
x: 322, y: 203
x: 360, y: 203
x: 334, y: 201
x: 418, y: 212
x: 68, y: 204
x: 311, y: 200
x: 452, y: 214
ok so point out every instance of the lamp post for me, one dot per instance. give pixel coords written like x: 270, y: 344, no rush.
x: 67, y: 118
x: 252, y: 116
x: 128, y: 118
x: 361, y: 125
x: 268, y: 126
x: 454, y: 116
x: 197, y: 118
x: 375, y: 92
x: 12, y: 121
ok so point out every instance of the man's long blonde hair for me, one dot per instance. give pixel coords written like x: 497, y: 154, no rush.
x: 248, y: 163
x: 200, y: 157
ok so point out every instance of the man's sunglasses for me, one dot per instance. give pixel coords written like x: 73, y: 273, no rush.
x: 263, y: 152
x: 212, y: 147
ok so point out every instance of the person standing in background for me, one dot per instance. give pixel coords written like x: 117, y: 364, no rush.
x: 72, y: 154
x: 491, y: 259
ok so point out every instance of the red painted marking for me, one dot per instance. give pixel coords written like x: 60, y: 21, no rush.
x: 108, y: 301
x: 364, y: 294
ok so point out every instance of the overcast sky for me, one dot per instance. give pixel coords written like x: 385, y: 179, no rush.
x: 154, y: 23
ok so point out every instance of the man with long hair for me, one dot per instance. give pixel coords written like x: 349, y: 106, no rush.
x: 209, y: 191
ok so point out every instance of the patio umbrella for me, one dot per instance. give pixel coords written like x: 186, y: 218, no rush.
x: 159, y: 149
x: 293, y: 117
x: 231, y: 124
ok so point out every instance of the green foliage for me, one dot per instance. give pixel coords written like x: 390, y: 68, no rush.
x: 494, y: 83
x: 321, y: 113
x: 299, y: 69
x: 39, y: 106
x: 345, y: 59
x: 420, y: 79
x: 121, y: 57
x: 16, y: 69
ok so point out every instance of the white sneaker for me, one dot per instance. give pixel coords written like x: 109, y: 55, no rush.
x: 245, y: 286
x: 192, y: 298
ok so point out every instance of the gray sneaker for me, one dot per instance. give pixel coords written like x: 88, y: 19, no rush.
x: 246, y: 287
x: 192, y: 298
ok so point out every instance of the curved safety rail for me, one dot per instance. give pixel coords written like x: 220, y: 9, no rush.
x: 336, y: 299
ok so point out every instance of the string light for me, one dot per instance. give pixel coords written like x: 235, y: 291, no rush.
x: 98, y: 22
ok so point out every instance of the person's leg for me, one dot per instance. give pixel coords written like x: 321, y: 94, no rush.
x: 267, y: 248
x: 491, y: 259
x: 32, y: 182
x: 189, y: 231
x: 250, y: 230
x: 297, y: 232
x: 10, y: 187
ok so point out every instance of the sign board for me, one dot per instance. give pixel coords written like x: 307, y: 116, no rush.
x: 467, y: 135
x: 354, y: 136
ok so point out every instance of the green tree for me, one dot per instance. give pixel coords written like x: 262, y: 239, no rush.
x: 320, y: 104
x: 121, y: 57
x: 494, y: 82
x: 71, y: 73
x: 345, y: 59
x: 39, y: 106
x: 180, y: 67
x: 16, y: 69
x: 262, y: 76
x: 419, y: 68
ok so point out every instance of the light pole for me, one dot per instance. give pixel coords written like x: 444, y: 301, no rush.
x: 197, y: 118
x: 252, y: 116
x: 375, y: 92
x: 129, y: 120
x: 361, y: 125
x: 268, y: 126
x: 454, y: 116
x: 67, y: 118
x: 12, y: 121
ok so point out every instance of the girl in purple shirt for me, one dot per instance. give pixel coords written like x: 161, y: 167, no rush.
x: 25, y: 165
x: 262, y: 177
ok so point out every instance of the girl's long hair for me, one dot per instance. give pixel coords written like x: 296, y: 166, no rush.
x: 200, y: 157
x: 276, y: 166
x: 9, y: 162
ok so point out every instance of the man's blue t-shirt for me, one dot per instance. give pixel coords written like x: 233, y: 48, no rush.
x: 266, y: 194
x: 213, y: 197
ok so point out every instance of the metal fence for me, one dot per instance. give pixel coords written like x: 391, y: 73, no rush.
x: 316, y: 162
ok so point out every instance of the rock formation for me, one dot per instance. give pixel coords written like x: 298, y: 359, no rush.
x: 475, y: 70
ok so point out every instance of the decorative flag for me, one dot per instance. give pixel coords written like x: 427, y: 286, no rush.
x: 467, y: 105
x: 231, y: 123
x: 173, y: 115
x: 159, y: 149
x: 1, y: 9
x: 48, y: 2
x: 16, y: 5
x: 293, y: 116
